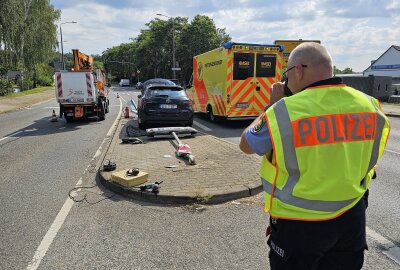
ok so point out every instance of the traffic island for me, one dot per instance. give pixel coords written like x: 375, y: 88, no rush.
x: 222, y: 172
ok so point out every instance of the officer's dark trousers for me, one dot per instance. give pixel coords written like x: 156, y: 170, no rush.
x: 334, y: 244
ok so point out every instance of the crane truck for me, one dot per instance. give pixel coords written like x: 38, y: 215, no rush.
x: 82, y: 91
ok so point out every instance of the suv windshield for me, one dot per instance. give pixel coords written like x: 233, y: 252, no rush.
x: 158, y: 81
x: 167, y: 93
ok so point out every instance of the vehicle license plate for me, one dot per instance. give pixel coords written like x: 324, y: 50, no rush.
x: 168, y: 106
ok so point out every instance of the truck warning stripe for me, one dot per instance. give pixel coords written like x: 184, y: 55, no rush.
x: 59, y: 85
x: 221, y: 99
x: 230, y: 61
x: 229, y: 76
x: 219, y: 105
x: 88, y: 85
x: 264, y: 98
x: 238, y: 90
x: 241, y: 95
x: 271, y: 80
x: 279, y: 65
x: 216, y: 105
x: 240, y: 112
x: 259, y: 104
x: 267, y: 88
x: 249, y: 100
x: 234, y: 83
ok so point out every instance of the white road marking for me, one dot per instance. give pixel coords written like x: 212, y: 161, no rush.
x: 98, y: 153
x: 203, y: 127
x: 30, y: 130
x: 391, y: 250
x: 394, y: 152
x: 62, y: 215
x: 122, y: 98
x: 50, y: 235
x: 10, y: 135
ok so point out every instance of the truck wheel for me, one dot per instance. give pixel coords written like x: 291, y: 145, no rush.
x: 106, y: 108
x: 102, y: 114
x: 61, y: 110
x: 211, y: 115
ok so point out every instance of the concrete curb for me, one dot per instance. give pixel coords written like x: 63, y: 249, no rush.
x: 217, y: 198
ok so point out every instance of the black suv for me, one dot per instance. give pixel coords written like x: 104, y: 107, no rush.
x: 158, y: 81
x: 164, y: 104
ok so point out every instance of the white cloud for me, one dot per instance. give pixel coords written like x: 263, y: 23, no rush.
x: 355, y: 32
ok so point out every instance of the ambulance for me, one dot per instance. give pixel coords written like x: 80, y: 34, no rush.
x: 233, y: 82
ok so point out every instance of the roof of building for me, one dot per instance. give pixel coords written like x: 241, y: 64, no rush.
x: 394, y: 46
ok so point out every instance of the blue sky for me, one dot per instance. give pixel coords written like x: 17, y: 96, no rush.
x: 355, y: 32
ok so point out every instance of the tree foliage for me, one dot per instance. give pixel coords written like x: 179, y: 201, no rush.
x: 119, y: 62
x: 151, y: 51
x: 344, y: 71
x: 28, y: 34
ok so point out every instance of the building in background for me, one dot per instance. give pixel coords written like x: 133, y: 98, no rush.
x: 388, y: 64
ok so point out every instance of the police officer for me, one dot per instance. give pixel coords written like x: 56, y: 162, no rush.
x: 320, y: 141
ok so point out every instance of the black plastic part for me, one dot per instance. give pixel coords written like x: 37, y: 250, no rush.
x: 110, y: 166
x: 132, y: 172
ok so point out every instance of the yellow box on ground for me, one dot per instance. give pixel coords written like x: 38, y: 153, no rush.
x: 123, y: 179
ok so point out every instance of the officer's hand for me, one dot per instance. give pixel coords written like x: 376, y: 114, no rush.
x: 277, y: 92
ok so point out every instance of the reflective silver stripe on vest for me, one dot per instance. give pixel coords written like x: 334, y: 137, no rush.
x: 378, y: 136
x: 286, y: 194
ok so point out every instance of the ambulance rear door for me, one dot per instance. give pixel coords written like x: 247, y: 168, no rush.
x: 242, y: 85
x: 265, y: 76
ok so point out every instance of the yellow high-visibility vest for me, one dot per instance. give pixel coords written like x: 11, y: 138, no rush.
x: 326, y: 141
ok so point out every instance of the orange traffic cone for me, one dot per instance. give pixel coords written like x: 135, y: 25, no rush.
x: 54, y: 117
x: 126, y: 112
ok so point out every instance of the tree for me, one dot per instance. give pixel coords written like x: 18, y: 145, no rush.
x: 28, y: 34
x: 154, y: 49
x: 345, y: 71
x: 198, y: 37
x: 151, y: 51
x: 348, y: 71
x: 120, y: 61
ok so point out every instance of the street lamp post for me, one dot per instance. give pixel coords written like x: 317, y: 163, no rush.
x: 173, y: 43
x: 62, y: 47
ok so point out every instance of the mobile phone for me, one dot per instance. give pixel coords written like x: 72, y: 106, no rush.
x: 286, y: 90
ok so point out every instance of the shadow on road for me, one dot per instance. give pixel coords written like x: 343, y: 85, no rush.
x: 45, y: 127
x: 229, y: 124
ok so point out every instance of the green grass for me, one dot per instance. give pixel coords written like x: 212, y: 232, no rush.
x: 28, y: 92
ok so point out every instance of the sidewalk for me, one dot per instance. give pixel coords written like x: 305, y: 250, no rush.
x: 391, y: 110
x: 15, y: 103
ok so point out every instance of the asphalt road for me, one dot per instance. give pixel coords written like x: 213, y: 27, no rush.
x: 40, y: 162
x: 45, y: 160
